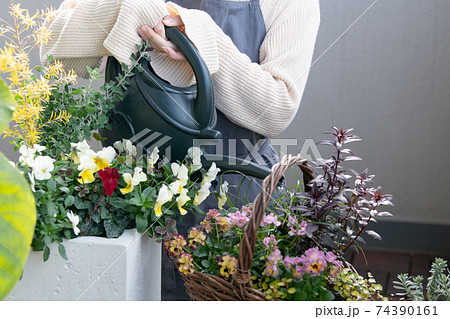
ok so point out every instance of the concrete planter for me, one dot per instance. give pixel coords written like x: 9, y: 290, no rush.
x: 125, y: 268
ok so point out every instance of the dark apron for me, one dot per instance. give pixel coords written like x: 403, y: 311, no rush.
x: 243, y: 22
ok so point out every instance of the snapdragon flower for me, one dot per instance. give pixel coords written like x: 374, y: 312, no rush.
x: 152, y: 159
x: 80, y: 149
x: 104, y: 157
x: 181, y: 173
x: 202, y: 194
x: 211, y: 174
x: 222, y: 199
x: 74, y: 219
x: 195, y: 153
x: 182, y: 199
x: 87, y: 169
x: 164, y: 196
x: 133, y: 180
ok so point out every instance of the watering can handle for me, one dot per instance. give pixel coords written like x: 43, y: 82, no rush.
x: 204, y: 110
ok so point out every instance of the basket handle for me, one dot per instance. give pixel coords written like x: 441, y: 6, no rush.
x: 242, y: 275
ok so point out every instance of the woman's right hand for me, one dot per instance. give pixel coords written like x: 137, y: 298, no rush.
x: 157, y: 37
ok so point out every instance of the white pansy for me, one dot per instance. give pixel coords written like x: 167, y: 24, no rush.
x: 223, y: 195
x: 164, y: 196
x: 202, y: 194
x: 153, y: 158
x: 211, y: 174
x: 104, y: 157
x: 43, y: 167
x: 27, y: 155
x: 12, y: 163
x: 74, y: 219
x: 195, y: 154
x: 182, y: 199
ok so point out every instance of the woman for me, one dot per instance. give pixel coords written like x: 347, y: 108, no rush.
x: 258, y: 52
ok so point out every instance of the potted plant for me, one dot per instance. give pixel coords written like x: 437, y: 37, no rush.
x: 82, y: 191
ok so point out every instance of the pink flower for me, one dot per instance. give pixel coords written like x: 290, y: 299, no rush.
x: 211, y: 216
x: 313, y: 261
x: 292, y: 264
x: 332, y: 259
x: 271, y: 268
x: 270, y: 219
x: 270, y: 240
x: 238, y: 219
x: 275, y: 255
x: 295, y: 229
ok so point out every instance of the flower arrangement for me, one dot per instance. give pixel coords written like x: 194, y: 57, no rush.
x: 80, y: 191
x: 302, y: 237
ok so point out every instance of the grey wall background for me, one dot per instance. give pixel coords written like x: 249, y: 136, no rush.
x: 388, y: 77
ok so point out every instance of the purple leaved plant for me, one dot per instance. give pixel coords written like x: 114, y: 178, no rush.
x: 341, y: 211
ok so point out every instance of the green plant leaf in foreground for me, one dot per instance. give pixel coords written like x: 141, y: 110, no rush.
x: 17, y: 210
x: 6, y: 105
x: 17, y: 220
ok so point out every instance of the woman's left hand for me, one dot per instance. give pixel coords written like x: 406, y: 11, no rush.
x: 157, y: 37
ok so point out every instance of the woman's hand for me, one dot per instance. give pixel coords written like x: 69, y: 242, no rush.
x: 157, y: 37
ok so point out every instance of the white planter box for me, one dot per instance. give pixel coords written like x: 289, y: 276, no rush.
x: 126, y: 268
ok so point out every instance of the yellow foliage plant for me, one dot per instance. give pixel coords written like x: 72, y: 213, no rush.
x: 25, y: 33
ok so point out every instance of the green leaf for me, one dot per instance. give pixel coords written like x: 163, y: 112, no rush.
x: 69, y: 201
x: 98, y: 137
x: 205, y: 263
x: 51, y: 185
x: 62, y: 251
x: 141, y: 223
x: 7, y: 105
x: 46, y: 253
x: 17, y: 220
x: 118, y: 202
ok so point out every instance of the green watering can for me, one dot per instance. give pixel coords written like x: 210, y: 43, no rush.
x: 154, y: 109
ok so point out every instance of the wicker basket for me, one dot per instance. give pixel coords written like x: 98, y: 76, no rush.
x: 202, y: 286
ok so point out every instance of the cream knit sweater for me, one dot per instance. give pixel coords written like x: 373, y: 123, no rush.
x: 261, y: 97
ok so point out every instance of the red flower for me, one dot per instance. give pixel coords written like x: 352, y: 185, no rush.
x: 110, y: 177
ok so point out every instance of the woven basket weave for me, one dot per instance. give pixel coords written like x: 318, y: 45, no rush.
x: 202, y: 286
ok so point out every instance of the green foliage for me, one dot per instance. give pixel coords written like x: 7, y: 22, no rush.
x: 350, y: 286
x: 438, y: 284
x: 17, y: 210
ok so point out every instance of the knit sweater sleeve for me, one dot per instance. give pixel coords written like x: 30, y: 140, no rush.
x: 265, y: 97
x: 261, y: 97
x: 84, y: 31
